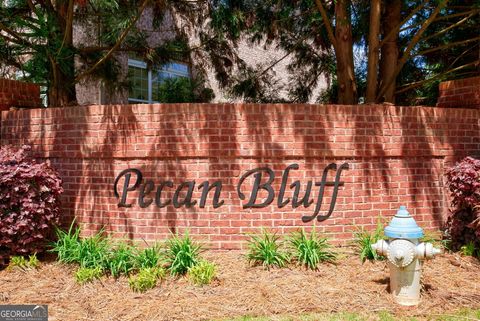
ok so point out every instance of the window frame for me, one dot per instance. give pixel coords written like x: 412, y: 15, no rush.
x: 165, y: 68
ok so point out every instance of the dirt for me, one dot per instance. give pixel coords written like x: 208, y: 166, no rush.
x: 450, y: 282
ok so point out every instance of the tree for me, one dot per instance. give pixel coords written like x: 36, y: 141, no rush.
x: 392, y: 34
x: 36, y: 38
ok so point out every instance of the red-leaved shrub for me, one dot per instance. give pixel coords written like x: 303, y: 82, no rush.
x: 29, y: 202
x: 463, y: 223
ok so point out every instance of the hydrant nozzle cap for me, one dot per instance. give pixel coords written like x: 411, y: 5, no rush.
x: 403, y: 226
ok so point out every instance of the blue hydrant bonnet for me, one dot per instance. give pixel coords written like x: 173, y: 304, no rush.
x: 403, y: 226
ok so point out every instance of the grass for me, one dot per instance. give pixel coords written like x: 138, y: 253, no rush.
x: 364, y: 240
x: 146, y: 279
x: 464, y: 314
x: 310, y: 250
x: 203, y: 273
x: 22, y: 263
x: 181, y: 253
x: 84, y: 275
x: 469, y: 249
x: 265, y: 250
x: 149, y: 257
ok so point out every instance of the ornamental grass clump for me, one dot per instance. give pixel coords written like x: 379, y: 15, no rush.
x: 202, y: 273
x: 265, y: 250
x: 181, y: 253
x: 146, y: 278
x: 120, y: 260
x: 310, y: 250
x: 29, y: 203
x: 364, y: 241
x: 149, y: 257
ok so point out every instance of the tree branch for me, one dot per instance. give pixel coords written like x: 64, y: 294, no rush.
x: 415, y: 84
x: 458, y: 23
x: 328, y: 23
x: 407, y: 53
x: 448, y: 45
x: 116, y: 45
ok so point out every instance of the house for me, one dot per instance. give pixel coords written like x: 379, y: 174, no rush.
x: 144, y: 81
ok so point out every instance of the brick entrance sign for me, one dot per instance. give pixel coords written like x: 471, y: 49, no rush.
x: 226, y: 170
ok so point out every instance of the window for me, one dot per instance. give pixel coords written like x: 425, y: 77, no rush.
x: 146, y: 82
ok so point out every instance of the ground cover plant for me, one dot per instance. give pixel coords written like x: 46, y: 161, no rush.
x: 265, y: 249
x: 29, y: 203
x: 310, y: 250
x: 146, y: 278
x: 23, y: 263
x: 84, y: 275
x: 203, y: 273
x: 463, y: 223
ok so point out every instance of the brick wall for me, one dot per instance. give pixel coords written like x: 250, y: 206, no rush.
x: 15, y: 93
x: 396, y: 156
x: 462, y: 93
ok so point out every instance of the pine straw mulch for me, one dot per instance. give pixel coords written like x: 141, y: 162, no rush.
x: 450, y: 282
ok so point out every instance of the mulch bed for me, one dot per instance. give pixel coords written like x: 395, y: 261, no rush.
x: 450, y: 282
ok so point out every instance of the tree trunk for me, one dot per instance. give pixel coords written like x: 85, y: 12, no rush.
x: 61, y: 89
x: 347, y: 88
x: 373, y: 41
x: 389, y: 52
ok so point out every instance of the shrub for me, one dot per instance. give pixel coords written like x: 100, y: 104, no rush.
x: 29, y: 203
x: 120, y: 260
x: 310, y: 250
x: 148, y: 257
x: 84, y: 275
x: 203, y: 273
x: 146, y: 279
x: 265, y: 250
x: 364, y: 241
x: 463, y: 222
x: 22, y: 263
x: 181, y: 253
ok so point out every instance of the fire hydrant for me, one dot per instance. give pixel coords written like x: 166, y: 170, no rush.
x: 405, y: 256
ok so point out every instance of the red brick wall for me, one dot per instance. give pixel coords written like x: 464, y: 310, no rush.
x: 462, y: 93
x: 15, y: 93
x: 397, y: 156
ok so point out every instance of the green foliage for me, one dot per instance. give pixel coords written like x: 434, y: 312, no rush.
x: 470, y: 249
x: 67, y: 244
x: 364, y: 241
x: 183, y: 90
x: 181, y: 253
x: 202, y: 273
x: 120, y: 260
x: 22, y: 263
x: 149, y: 257
x: 146, y: 279
x: 265, y: 250
x: 310, y: 250
x: 89, y: 252
x: 84, y: 275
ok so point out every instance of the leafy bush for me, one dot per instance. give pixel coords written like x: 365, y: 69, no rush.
x: 22, y: 263
x: 364, y: 241
x: 265, y: 250
x: 310, y: 250
x: 148, y: 258
x: 146, y: 279
x: 29, y: 203
x: 84, y: 275
x: 181, y: 253
x: 183, y: 90
x: 463, y: 223
x: 202, y: 273
x: 120, y: 260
